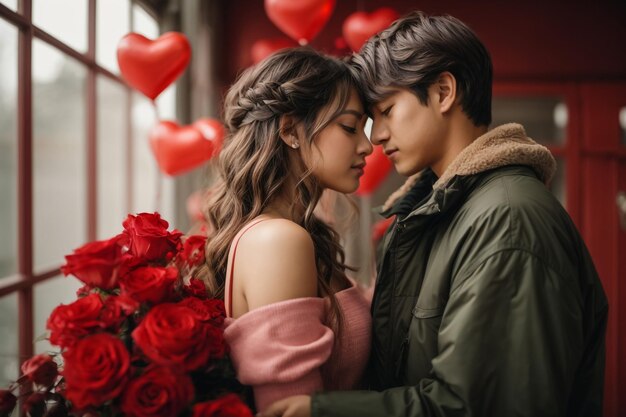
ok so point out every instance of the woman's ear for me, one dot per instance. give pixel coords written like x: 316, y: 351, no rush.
x: 446, y: 91
x: 288, y: 132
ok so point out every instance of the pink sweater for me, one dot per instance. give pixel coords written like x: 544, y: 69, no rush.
x: 288, y: 349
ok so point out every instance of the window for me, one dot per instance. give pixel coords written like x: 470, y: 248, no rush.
x: 52, y: 16
x: 11, y: 4
x: 8, y: 148
x: 74, y: 152
x: 545, y: 119
x: 9, y: 349
x: 112, y: 22
x: 59, y: 155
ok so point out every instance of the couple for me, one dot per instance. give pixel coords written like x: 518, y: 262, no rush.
x: 486, y: 301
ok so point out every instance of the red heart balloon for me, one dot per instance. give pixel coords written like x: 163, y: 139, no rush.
x: 151, y: 66
x: 263, y: 48
x: 178, y: 149
x: 377, y: 166
x: 360, y: 26
x: 301, y: 19
x: 213, y: 131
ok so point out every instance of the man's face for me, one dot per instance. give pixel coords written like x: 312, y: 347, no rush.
x: 412, y: 134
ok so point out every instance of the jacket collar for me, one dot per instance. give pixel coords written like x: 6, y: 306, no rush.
x: 502, y: 146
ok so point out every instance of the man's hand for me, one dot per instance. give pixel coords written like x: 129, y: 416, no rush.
x: 296, y: 406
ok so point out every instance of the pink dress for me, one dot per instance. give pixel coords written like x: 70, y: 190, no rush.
x: 288, y: 348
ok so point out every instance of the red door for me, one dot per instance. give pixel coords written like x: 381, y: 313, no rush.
x: 603, y: 157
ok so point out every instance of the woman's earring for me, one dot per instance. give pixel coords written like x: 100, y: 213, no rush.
x: 295, y: 145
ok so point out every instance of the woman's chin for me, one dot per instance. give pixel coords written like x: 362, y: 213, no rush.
x: 344, y: 189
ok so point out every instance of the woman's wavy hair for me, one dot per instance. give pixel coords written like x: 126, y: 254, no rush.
x: 254, y: 165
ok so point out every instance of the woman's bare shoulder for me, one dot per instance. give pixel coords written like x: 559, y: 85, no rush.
x: 275, y: 261
x: 276, y: 230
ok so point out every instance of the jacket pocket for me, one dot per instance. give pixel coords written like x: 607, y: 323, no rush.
x: 421, y: 345
x: 427, y: 313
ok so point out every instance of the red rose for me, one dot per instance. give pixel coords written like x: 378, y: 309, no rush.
x: 83, y: 291
x: 174, y: 335
x: 116, y: 309
x: 128, y: 305
x: 211, y: 310
x: 160, y: 392
x: 196, y: 288
x: 229, y: 405
x: 68, y: 323
x: 149, y: 284
x: 96, y: 370
x: 96, y: 263
x: 147, y: 237
x: 41, y: 369
x: 7, y: 402
x: 35, y: 405
x: 193, y: 250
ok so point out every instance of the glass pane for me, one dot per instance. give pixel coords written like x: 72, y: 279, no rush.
x: 63, y: 19
x: 166, y: 102
x: 112, y: 23
x: 544, y: 118
x: 622, y: 124
x: 9, y: 348
x: 112, y: 153
x: 46, y: 296
x: 59, y: 165
x: 145, y: 171
x: 558, y: 182
x: 8, y: 149
x: 11, y: 4
x: 144, y: 23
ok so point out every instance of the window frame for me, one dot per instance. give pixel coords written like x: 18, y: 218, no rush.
x: 570, y: 150
x: 24, y: 281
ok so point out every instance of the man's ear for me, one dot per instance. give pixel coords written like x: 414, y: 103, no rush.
x: 446, y: 91
x: 288, y: 132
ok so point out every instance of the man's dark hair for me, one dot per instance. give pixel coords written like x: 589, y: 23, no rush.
x: 415, y: 50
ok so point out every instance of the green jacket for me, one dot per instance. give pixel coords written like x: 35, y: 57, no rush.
x: 487, y: 302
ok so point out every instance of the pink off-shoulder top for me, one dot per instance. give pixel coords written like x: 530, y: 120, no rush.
x: 288, y: 348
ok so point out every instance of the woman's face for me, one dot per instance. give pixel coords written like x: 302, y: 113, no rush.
x: 337, y: 155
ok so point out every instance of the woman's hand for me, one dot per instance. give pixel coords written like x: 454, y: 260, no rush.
x: 296, y: 406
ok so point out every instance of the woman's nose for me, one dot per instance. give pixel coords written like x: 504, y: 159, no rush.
x: 365, y: 146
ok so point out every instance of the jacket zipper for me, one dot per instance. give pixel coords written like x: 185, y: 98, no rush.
x: 379, y: 281
x: 401, y: 226
x: 402, y: 357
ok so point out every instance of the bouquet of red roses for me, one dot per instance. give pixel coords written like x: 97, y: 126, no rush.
x: 142, y: 339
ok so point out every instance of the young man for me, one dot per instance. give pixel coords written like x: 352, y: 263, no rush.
x: 487, y: 302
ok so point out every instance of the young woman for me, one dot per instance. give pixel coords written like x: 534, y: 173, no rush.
x: 297, y: 323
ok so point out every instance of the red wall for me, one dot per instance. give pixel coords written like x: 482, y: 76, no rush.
x: 540, y: 40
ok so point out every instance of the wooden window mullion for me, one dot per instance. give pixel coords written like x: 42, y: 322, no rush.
x: 25, y: 183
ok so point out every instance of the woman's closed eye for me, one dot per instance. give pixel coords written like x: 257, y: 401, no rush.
x: 349, y: 129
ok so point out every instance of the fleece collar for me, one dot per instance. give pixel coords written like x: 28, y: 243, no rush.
x: 502, y: 146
